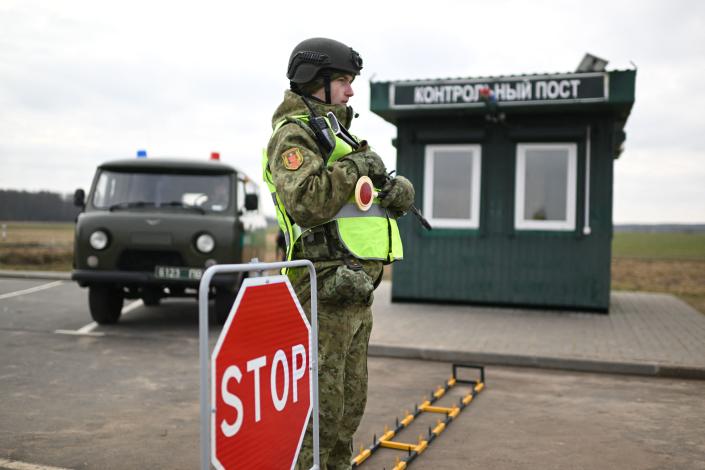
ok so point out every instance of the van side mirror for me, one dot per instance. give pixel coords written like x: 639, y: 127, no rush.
x: 251, y: 202
x: 79, y: 198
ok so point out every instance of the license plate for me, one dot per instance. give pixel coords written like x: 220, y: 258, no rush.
x: 174, y: 272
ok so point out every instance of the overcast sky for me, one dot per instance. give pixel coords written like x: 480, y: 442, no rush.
x: 82, y: 82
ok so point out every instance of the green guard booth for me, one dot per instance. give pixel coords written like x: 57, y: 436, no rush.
x: 515, y: 175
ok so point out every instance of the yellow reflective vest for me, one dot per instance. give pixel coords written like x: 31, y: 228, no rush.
x: 369, y: 235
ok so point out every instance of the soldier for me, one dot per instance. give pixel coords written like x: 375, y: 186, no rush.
x: 312, y: 172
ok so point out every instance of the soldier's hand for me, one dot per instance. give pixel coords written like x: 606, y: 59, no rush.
x: 376, y: 169
x: 399, y: 194
x: 368, y: 163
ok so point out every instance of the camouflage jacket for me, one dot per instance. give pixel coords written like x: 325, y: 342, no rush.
x: 311, y: 191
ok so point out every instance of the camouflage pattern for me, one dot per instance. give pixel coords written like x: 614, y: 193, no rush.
x: 347, y: 286
x: 312, y: 194
x: 344, y: 333
x: 375, y: 166
x: 399, y: 194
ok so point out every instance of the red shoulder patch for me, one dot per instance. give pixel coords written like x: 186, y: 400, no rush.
x: 292, y: 158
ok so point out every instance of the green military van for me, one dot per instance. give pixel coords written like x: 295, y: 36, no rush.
x: 150, y: 227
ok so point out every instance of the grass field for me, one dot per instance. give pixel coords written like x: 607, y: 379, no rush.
x: 654, y: 262
x: 36, y: 246
x: 656, y: 245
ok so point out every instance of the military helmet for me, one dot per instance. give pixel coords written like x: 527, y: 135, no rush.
x: 311, y: 56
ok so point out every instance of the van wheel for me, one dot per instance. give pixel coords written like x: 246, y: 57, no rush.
x: 224, y: 299
x: 105, y: 303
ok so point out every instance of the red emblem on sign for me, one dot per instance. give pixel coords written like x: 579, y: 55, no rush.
x: 292, y: 158
x: 261, y: 382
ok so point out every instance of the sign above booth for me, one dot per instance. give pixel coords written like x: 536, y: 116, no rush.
x: 507, y: 91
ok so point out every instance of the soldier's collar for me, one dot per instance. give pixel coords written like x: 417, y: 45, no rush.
x: 343, y: 112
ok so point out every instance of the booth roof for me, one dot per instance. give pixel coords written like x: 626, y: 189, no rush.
x: 495, y: 77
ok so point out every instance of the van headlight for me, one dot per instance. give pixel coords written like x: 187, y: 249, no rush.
x: 205, y: 243
x: 98, y: 240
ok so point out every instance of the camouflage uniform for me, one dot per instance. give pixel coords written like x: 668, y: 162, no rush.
x: 312, y: 194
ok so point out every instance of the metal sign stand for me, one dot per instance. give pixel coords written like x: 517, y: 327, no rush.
x: 204, y: 349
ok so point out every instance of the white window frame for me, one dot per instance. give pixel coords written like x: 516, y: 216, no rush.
x: 473, y: 219
x: 520, y: 222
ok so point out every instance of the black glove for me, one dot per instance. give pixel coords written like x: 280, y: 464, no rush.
x: 398, y: 194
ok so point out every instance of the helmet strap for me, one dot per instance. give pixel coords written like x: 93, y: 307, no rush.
x: 326, y: 84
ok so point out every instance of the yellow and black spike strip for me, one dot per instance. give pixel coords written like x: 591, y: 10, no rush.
x: 414, y: 450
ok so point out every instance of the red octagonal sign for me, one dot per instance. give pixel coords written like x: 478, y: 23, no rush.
x: 260, y: 379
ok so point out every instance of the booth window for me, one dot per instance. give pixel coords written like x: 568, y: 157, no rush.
x: 545, y: 186
x: 452, y: 185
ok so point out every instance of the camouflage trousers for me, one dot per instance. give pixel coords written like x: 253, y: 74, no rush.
x: 343, y: 337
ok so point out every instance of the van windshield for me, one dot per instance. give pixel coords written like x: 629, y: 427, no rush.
x: 116, y: 190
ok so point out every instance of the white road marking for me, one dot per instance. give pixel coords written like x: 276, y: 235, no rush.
x: 79, y: 332
x: 132, y: 305
x: 17, y: 465
x: 30, y: 290
x: 87, y: 330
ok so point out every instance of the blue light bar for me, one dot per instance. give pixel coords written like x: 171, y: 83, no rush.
x: 141, y: 154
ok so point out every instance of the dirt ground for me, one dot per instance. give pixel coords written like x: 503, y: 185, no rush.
x: 683, y: 278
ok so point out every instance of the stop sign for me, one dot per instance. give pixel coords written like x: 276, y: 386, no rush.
x: 261, y: 382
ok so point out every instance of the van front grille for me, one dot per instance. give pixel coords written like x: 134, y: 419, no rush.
x: 146, y: 260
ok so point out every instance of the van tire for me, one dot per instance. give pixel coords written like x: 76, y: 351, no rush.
x: 105, y: 303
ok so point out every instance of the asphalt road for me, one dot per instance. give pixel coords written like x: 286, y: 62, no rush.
x: 126, y: 397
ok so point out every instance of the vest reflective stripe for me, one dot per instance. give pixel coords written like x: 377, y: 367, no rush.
x: 370, y: 234
x: 351, y: 210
